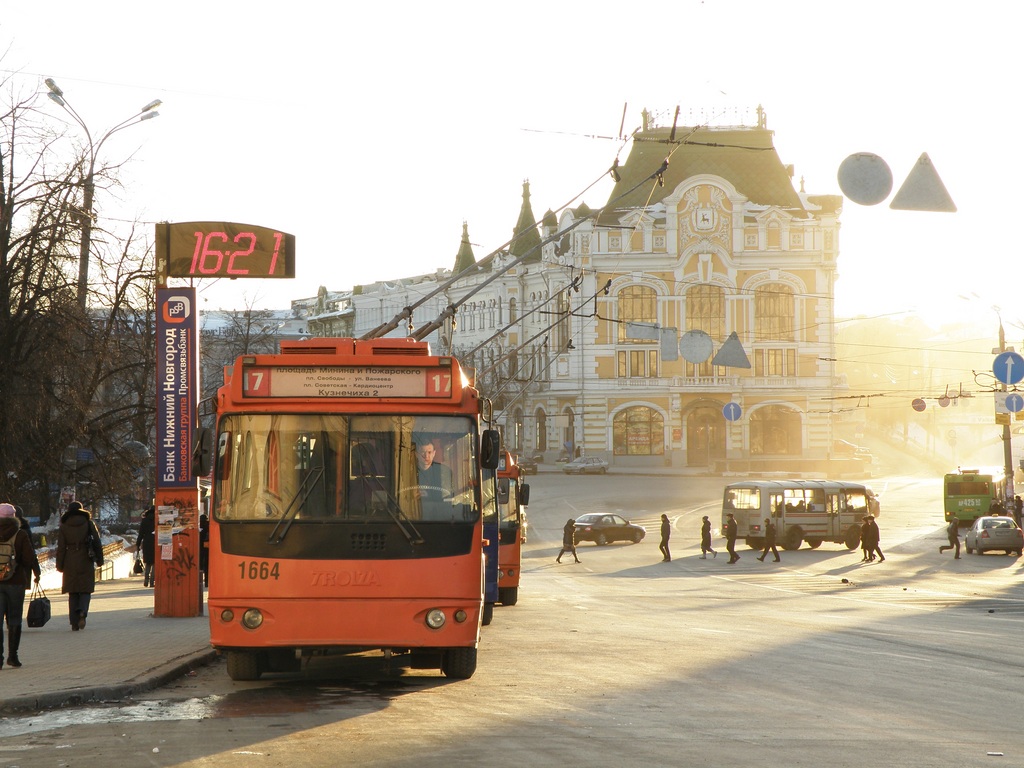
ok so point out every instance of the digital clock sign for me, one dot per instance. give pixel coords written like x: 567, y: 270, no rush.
x: 223, y: 249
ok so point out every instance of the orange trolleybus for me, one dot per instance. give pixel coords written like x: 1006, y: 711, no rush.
x: 513, y: 495
x: 346, y: 507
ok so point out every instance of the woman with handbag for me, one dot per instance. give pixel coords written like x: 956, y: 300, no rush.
x: 12, y: 589
x: 79, y: 552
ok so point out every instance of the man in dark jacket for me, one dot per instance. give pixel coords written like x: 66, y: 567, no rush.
x: 145, y: 543
x: 769, y: 540
x: 79, y: 553
x: 730, y: 537
x: 12, y: 590
x: 568, y: 540
x: 666, y: 532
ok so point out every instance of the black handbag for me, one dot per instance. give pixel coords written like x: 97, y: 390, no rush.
x: 38, y: 607
x: 138, y: 569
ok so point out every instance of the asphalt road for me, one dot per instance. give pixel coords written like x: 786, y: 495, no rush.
x: 624, y: 660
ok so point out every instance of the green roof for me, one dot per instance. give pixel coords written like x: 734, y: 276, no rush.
x: 745, y: 157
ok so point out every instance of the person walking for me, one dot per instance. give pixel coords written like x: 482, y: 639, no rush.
x: 769, y: 540
x: 568, y: 540
x: 79, y: 553
x: 1018, y: 509
x: 705, y: 539
x: 145, y: 543
x: 866, y: 547
x: 204, y: 548
x: 876, y: 539
x: 953, y: 534
x: 16, y: 546
x: 730, y: 537
x: 666, y: 532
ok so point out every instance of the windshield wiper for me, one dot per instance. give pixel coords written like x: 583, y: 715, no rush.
x: 305, y: 488
x: 404, y: 523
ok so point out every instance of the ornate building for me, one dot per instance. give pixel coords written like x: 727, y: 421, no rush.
x: 688, y: 322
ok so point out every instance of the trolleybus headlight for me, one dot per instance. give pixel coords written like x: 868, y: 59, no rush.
x: 436, y: 618
x: 227, y: 615
x: 460, y: 616
x: 252, y: 618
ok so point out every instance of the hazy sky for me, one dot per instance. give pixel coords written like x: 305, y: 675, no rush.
x: 371, y: 131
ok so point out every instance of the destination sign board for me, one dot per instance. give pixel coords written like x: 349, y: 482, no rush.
x: 346, y: 382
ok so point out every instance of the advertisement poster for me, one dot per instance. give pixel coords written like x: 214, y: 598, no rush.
x: 165, y: 519
x: 176, y: 390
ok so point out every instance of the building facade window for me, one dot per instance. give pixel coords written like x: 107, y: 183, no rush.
x: 637, y: 363
x: 775, y: 362
x: 638, y: 431
x: 774, y: 313
x: 775, y: 431
x: 705, y: 311
x: 636, y: 304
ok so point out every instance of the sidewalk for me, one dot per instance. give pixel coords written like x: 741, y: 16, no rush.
x: 123, y: 650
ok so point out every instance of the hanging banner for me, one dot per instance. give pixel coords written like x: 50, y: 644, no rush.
x: 176, y: 389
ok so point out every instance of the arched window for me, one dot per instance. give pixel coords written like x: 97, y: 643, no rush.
x: 512, y: 310
x: 638, y: 431
x: 775, y: 431
x: 705, y: 311
x: 542, y: 430
x: 636, y: 304
x: 774, y: 310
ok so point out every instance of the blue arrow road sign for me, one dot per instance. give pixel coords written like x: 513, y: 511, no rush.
x: 1014, y: 403
x: 1008, y: 367
x: 732, y: 411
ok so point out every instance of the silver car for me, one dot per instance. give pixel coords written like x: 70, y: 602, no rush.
x: 994, y: 532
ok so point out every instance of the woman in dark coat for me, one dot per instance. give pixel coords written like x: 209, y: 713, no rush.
x: 12, y: 591
x: 79, y: 553
x: 145, y: 543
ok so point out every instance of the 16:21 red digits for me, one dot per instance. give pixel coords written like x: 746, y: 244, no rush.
x: 212, y: 258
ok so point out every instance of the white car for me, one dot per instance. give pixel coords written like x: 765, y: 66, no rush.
x: 586, y: 465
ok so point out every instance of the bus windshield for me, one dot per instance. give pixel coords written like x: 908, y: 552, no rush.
x: 344, y: 467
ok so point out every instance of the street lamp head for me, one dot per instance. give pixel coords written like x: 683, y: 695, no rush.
x: 149, y: 115
x: 54, y: 89
x: 152, y: 105
x: 55, y: 97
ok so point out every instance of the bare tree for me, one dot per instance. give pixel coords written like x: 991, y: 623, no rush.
x: 71, y: 388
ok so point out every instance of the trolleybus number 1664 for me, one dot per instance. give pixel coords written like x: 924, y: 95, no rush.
x: 253, y: 570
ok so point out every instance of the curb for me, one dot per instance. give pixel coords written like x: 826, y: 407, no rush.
x: 154, y: 678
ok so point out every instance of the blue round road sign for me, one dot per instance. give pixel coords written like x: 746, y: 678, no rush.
x: 1008, y: 368
x: 1014, y: 403
x: 732, y: 411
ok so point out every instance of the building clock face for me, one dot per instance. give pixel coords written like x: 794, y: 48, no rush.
x: 224, y: 249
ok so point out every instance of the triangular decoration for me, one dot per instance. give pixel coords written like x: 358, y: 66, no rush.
x: 732, y: 354
x: 923, y: 190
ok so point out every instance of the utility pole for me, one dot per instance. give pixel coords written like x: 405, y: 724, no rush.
x: 88, y: 218
x: 1007, y: 444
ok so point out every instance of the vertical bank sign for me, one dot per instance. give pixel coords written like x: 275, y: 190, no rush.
x: 176, y: 387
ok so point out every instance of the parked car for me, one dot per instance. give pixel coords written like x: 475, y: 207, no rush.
x: 603, y: 528
x: 586, y: 465
x: 847, y: 450
x: 994, y: 532
x: 528, y: 465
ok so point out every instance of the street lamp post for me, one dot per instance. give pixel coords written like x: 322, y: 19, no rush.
x: 88, y: 183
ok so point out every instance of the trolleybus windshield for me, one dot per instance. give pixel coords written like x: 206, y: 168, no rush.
x: 344, y: 468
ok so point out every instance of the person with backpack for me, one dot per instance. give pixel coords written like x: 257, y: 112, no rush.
x: 79, y: 553
x: 17, y: 562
